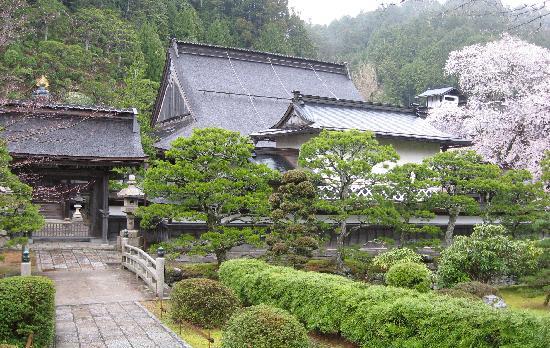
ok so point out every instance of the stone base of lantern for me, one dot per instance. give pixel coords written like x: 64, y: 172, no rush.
x: 134, y: 238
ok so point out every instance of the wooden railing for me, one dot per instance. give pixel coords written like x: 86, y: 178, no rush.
x: 144, y: 266
x: 63, y: 229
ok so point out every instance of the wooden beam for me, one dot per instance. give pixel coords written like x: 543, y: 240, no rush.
x: 105, y: 209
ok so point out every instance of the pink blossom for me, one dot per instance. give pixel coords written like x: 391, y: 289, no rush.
x: 507, y: 116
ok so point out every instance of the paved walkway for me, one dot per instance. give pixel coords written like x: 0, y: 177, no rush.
x: 76, y: 259
x: 97, y: 303
x: 116, y: 325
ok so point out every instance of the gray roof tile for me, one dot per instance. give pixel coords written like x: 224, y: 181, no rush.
x: 319, y: 113
x: 218, y: 88
x: 67, y: 131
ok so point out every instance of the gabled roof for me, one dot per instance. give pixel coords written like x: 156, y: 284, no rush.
x: 238, y: 89
x: 71, y: 132
x: 310, y: 114
x: 437, y: 91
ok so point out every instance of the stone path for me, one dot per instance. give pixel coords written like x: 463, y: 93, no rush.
x: 75, y: 259
x: 100, y: 286
x: 116, y: 325
x: 97, y: 302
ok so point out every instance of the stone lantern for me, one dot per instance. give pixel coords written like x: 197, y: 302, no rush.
x: 131, y: 195
x: 77, y: 216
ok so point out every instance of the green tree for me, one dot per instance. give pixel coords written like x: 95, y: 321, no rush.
x: 464, y: 180
x: 409, y: 185
x: 295, y: 231
x: 187, y: 24
x: 219, y: 33
x: 519, y: 203
x: 44, y: 14
x: 273, y: 38
x: 106, y: 34
x: 139, y: 92
x: 17, y: 213
x: 486, y: 255
x: 153, y: 52
x: 209, y: 177
x: 344, y: 162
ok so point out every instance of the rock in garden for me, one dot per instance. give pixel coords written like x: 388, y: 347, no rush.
x: 494, y: 301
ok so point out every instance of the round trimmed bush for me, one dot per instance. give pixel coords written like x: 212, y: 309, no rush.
x: 409, y: 275
x: 263, y: 326
x: 392, y: 257
x: 202, y: 302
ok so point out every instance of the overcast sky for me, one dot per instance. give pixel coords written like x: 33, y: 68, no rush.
x: 324, y: 11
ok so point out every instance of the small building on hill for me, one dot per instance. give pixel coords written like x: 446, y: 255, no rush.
x: 66, y: 152
x: 433, y: 98
x: 237, y: 89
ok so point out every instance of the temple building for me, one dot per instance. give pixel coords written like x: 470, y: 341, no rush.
x: 237, y: 89
x: 66, y: 153
x: 412, y: 136
x: 281, y: 102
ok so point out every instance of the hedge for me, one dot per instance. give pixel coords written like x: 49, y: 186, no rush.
x: 378, y: 316
x: 27, y: 304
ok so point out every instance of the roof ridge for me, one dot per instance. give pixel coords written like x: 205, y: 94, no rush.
x: 100, y: 108
x: 341, y: 66
x: 349, y: 103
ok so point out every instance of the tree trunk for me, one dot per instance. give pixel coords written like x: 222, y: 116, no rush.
x: 340, y: 266
x: 453, y: 215
x: 221, y: 256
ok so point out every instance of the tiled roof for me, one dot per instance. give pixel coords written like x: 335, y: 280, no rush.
x: 243, y: 90
x: 437, y: 91
x: 311, y: 113
x: 71, y: 131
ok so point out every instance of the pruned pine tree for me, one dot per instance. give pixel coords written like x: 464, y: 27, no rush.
x: 209, y: 177
x: 344, y: 163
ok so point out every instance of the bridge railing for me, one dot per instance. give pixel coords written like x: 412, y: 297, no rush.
x: 144, y: 266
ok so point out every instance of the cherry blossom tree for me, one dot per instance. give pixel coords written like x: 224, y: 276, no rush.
x: 507, y: 83
x: 12, y: 20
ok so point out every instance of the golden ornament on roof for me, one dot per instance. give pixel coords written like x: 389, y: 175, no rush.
x: 42, y: 82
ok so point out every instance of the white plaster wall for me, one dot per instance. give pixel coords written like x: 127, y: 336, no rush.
x: 293, y: 141
x: 410, y: 151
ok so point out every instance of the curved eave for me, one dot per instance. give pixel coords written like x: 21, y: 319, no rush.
x: 273, y: 134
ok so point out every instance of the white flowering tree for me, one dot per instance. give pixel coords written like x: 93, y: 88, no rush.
x: 507, y: 115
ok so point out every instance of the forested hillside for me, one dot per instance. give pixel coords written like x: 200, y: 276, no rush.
x: 397, y: 52
x: 112, y: 51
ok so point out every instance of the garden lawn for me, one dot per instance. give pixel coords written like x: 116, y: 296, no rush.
x: 520, y: 297
x: 194, y: 338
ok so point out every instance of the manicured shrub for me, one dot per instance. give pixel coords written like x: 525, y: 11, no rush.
x: 456, y: 293
x: 264, y: 327
x: 357, y: 268
x: 202, y: 302
x: 323, y: 266
x: 394, y: 256
x: 27, y: 305
x: 410, y: 275
x: 194, y: 270
x: 380, y: 316
x: 486, y: 255
x: 477, y: 289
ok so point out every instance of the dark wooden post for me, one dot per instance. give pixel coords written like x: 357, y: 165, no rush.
x: 105, y: 208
